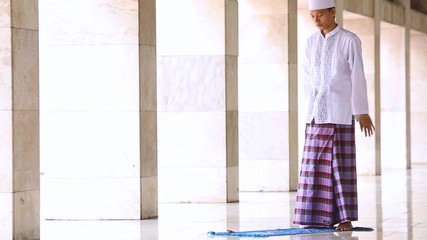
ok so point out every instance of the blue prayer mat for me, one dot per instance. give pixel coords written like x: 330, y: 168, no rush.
x: 283, y: 232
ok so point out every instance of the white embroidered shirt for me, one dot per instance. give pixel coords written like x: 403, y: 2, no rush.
x: 334, y: 81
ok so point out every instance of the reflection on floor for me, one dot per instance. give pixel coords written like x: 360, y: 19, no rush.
x: 394, y: 204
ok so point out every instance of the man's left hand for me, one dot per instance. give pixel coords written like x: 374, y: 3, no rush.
x: 366, y: 125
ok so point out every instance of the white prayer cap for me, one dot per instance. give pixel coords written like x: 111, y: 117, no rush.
x: 320, y: 4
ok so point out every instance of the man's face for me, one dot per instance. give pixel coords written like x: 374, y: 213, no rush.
x: 323, y: 18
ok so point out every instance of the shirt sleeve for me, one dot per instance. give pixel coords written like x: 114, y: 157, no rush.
x: 359, y: 95
x: 306, y: 67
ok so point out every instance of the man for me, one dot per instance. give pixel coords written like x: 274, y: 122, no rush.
x: 335, y: 88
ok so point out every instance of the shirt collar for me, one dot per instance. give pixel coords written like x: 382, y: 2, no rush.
x: 333, y: 32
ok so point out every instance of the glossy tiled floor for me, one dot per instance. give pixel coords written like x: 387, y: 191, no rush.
x: 394, y: 205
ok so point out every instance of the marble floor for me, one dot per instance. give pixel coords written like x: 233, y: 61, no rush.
x: 394, y: 204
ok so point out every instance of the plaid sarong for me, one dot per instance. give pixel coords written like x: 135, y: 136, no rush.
x: 327, y: 189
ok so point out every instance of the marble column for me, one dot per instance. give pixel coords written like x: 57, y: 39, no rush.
x: 19, y: 118
x: 148, y: 108
x: 268, y: 95
x: 339, y: 15
x: 407, y: 42
x: 98, y: 106
x: 293, y: 138
x: 377, y: 13
x: 197, y: 44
